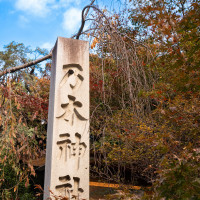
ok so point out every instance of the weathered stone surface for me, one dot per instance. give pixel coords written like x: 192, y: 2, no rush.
x: 67, y: 157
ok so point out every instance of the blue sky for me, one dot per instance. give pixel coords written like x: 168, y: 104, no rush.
x: 38, y: 22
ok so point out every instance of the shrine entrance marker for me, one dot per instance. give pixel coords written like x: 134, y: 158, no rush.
x: 67, y: 156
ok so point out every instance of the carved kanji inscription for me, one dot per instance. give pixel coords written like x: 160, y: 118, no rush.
x: 67, y: 155
x: 69, y: 150
x: 69, y: 188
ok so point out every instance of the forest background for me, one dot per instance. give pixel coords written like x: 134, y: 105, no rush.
x: 144, y: 91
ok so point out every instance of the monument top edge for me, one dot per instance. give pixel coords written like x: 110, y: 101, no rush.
x: 64, y: 38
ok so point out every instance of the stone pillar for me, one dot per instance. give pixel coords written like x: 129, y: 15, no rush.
x: 67, y: 156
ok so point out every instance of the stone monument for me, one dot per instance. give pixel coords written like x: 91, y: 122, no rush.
x: 67, y: 156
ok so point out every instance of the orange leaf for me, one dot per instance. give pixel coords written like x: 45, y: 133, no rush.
x: 27, y: 182
x: 95, y: 41
x: 38, y: 187
x: 18, y: 106
x: 15, y: 188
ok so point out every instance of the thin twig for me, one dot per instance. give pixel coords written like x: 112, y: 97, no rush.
x: 89, y: 9
x: 83, y: 19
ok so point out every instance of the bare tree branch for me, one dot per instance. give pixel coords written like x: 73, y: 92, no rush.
x: 83, y: 19
x: 14, y: 69
x: 89, y: 9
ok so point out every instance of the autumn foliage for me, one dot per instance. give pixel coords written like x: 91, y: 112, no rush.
x: 145, y: 102
x: 154, y: 138
x: 23, y: 117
